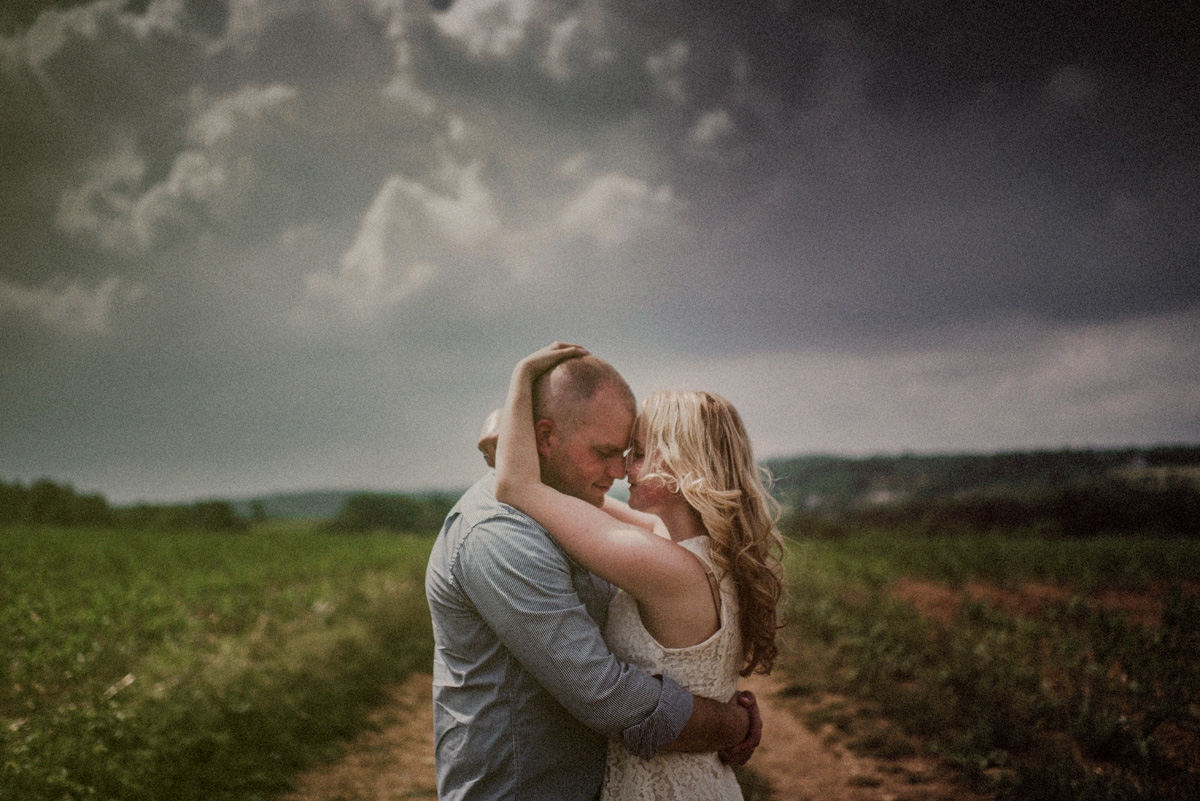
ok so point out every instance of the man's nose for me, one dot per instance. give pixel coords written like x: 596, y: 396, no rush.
x: 616, y: 467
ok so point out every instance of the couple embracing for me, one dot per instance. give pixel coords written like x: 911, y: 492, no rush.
x: 586, y: 648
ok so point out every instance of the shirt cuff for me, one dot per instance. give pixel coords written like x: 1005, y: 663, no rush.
x: 674, y: 708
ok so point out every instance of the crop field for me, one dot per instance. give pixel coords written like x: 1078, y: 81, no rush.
x: 193, y: 665
x: 1035, y: 668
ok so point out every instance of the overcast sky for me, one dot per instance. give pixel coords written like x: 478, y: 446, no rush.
x: 266, y: 245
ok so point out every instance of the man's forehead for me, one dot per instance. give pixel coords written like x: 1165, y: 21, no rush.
x: 608, y: 411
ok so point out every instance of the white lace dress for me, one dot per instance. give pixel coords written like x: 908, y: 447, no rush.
x: 708, y: 669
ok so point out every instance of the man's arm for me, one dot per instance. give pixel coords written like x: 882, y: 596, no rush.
x: 521, y: 584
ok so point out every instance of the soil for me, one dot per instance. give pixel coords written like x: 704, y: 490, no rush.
x: 394, y: 760
x: 942, y: 603
x: 800, y: 764
x: 391, y: 759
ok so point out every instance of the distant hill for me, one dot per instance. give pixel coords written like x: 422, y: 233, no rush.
x: 309, y: 504
x: 296, y: 505
x: 831, y: 484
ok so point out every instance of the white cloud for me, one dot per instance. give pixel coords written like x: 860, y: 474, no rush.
x: 54, y: 27
x: 160, y: 15
x: 372, y: 274
x: 414, y: 232
x: 248, y: 19
x: 574, y: 166
x: 196, y: 181
x: 577, y: 43
x: 467, y: 218
x: 712, y: 128
x: 210, y: 181
x: 69, y: 306
x: 667, y: 69
x: 104, y: 204
x: 214, y: 179
x: 406, y: 229
x: 562, y: 36
x: 493, y: 29
x: 615, y: 208
x: 100, y: 40
x: 249, y: 113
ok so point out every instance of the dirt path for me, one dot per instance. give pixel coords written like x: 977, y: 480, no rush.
x: 396, y: 761
x: 392, y: 762
x: 805, y: 765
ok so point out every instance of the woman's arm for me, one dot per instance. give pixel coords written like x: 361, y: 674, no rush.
x: 517, y: 465
x: 622, y: 551
x: 621, y: 511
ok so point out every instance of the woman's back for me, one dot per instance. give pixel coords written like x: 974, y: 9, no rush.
x: 708, y: 669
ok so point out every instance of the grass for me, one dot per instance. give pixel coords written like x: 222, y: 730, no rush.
x: 754, y: 786
x: 1076, y: 703
x: 191, y: 665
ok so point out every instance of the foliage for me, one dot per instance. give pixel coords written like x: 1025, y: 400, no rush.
x: 202, y: 515
x: 1168, y: 507
x: 830, y: 485
x: 46, y: 503
x: 392, y: 512
x: 161, y: 664
x: 1075, y: 703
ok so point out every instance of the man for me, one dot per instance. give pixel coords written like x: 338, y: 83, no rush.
x: 526, y: 694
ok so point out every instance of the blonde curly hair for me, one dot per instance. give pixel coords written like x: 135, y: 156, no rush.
x: 696, y: 444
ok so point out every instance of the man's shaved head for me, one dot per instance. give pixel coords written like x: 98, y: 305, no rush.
x: 583, y: 417
x: 561, y: 395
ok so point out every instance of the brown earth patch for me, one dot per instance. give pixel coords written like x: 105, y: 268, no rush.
x: 942, y: 603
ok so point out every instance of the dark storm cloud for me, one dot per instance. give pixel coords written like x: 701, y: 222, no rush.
x: 914, y: 153
x: 916, y: 165
x: 292, y: 243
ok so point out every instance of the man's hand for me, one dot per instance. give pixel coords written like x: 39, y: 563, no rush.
x: 714, y: 725
x: 740, y: 754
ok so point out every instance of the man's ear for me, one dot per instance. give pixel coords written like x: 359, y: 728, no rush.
x: 546, y: 436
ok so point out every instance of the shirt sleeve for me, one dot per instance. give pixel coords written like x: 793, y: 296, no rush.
x: 521, y: 584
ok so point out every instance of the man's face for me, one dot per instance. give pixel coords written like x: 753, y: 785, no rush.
x: 585, y: 460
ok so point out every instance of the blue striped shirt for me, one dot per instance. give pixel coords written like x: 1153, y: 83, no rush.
x: 525, y: 692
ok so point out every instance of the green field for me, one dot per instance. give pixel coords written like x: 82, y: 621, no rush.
x: 193, y: 665
x: 1037, y: 690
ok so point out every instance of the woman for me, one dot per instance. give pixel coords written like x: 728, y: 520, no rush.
x: 695, y: 553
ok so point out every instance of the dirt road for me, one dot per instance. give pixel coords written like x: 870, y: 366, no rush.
x: 396, y: 761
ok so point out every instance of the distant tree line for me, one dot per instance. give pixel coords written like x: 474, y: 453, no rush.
x: 1168, y: 507
x: 831, y: 485
x: 46, y: 503
x: 377, y: 511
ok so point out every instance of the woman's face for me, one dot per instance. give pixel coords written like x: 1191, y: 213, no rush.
x: 645, y: 497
